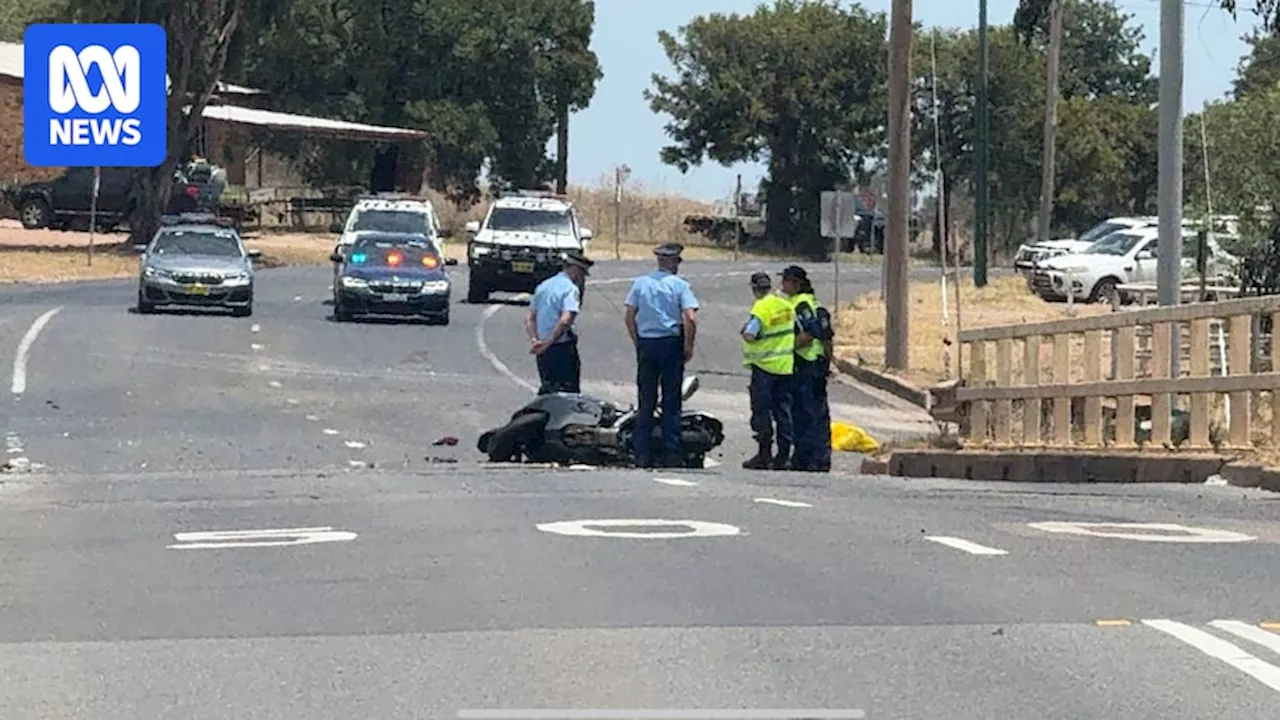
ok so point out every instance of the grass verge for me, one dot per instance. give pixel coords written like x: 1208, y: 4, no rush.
x: 1005, y: 301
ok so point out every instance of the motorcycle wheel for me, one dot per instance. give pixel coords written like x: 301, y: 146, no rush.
x: 511, y: 440
x: 483, y: 443
x: 695, y: 461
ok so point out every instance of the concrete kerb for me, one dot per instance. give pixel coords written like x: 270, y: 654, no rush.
x: 1056, y: 467
x: 882, y: 381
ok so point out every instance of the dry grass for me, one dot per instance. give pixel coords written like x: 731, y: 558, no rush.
x: 1005, y: 301
x: 61, y: 265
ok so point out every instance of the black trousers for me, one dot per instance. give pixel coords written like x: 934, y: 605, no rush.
x: 811, y: 415
x: 560, y: 368
x: 771, y: 409
x: 659, y: 367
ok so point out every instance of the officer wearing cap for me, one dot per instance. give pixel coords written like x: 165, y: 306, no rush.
x: 661, y: 319
x: 550, y: 326
x: 810, y: 408
x: 768, y: 348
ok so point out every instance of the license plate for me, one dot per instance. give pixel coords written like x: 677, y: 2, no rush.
x: 522, y: 267
x: 198, y: 290
x: 395, y: 297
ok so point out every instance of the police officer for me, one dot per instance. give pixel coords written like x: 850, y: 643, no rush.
x: 768, y: 348
x: 550, y: 326
x: 810, y: 409
x: 661, y: 319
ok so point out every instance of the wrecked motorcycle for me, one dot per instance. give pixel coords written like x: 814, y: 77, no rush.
x: 572, y: 428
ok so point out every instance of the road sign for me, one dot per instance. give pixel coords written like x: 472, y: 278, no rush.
x: 218, y: 539
x: 601, y: 528
x: 839, y: 214
x: 1154, y: 532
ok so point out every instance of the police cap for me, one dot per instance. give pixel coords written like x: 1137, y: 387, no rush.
x: 795, y: 272
x: 761, y: 280
x: 577, y: 259
x: 669, y: 250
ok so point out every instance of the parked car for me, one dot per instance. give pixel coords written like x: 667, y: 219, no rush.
x: 194, y: 260
x: 1028, y: 255
x: 521, y: 242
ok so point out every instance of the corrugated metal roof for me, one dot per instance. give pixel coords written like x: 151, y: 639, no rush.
x: 11, y: 64
x: 305, y: 123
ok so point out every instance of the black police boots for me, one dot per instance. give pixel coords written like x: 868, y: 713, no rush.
x: 762, y: 460
x: 782, y: 461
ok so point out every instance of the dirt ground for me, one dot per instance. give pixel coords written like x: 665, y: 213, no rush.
x: 1005, y: 301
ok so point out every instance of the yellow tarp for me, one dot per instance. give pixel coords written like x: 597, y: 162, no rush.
x: 851, y: 438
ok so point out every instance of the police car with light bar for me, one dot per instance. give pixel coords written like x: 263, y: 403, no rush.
x: 521, y: 242
x: 196, y: 260
x: 388, y: 213
x: 392, y: 274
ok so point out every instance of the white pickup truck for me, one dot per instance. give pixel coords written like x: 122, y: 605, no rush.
x: 1030, y: 254
x: 1121, y: 258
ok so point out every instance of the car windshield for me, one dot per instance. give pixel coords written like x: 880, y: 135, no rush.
x: 1101, y: 230
x: 512, y: 219
x: 196, y: 242
x: 382, y: 252
x: 406, y: 221
x: 1119, y: 243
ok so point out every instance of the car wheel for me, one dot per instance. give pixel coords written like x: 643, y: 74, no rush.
x: 34, y: 214
x: 144, y: 307
x: 1105, y: 291
x: 242, y: 312
x: 443, y: 318
x: 477, y: 293
x: 340, y: 313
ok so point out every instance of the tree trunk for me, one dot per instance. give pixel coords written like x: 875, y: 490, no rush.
x: 562, y: 148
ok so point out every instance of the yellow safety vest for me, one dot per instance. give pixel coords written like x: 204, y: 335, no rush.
x: 813, y: 350
x: 774, y: 348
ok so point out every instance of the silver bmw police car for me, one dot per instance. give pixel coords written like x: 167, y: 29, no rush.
x: 194, y: 261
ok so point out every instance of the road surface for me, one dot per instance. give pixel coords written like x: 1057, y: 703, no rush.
x: 405, y: 579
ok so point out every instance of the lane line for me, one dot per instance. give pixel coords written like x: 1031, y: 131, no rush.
x: 19, y: 385
x: 329, y: 431
x: 783, y: 503
x: 677, y: 482
x: 1268, y: 640
x: 354, y: 445
x: 961, y: 544
x: 1260, y: 670
x: 1112, y: 623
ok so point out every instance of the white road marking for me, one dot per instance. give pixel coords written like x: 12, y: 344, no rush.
x: 255, y: 328
x: 311, y: 418
x: 595, y: 528
x: 290, y: 401
x: 625, y: 714
x: 255, y: 346
x: 274, y: 383
x: 354, y: 445
x: 783, y: 503
x: 19, y: 385
x: 357, y: 463
x: 675, y: 481
x: 961, y: 544
x: 1260, y: 670
x: 217, y: 539
x: 329, y: 431
x: 1188, y: 534
x: 1252, y: 633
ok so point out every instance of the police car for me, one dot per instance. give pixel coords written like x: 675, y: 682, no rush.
x: 392, y: 274
x: 388, y: 213
x: 521, y: 242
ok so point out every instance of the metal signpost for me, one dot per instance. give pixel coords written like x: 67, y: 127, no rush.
x: 93, y: 210
x: 839, y: 220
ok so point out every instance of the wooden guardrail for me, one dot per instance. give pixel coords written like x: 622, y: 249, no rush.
x: 989, y: 405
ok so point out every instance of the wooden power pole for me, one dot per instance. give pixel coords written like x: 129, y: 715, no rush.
x: 896, y: 302
x: 1050, y: 121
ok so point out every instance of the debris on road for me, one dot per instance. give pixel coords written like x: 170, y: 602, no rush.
x: 446, y: 440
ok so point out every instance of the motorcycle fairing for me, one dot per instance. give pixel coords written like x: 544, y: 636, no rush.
x: 564, y: 409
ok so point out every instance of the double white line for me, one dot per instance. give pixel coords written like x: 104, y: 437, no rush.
x: 1229, y: 653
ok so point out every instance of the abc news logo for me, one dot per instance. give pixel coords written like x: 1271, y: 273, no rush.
x: 69, y: 92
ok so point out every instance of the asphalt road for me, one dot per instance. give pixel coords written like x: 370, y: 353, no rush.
x: 444, y: 583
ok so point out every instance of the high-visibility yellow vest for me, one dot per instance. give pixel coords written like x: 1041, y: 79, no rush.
x: 814, y: 349
x: 774, y: 348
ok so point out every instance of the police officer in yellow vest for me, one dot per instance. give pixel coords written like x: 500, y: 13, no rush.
x: 810, y: 410
x: 768, y: 348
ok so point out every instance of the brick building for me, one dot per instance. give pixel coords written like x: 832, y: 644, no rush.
x: 233, y: 118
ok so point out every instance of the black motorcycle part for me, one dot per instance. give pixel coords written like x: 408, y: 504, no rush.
x: 564, y: 409
x: 523, y: 435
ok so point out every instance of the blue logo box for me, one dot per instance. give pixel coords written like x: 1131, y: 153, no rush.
x: 94, y: 95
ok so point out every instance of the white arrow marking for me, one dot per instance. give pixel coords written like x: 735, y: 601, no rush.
x: 961, y: 544
x: 675, y: 481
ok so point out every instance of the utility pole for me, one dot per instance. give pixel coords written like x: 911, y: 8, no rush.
x: 896, y: 230
x: 982, y: 190
x: 1050, y: 121
x: 1169, y: 189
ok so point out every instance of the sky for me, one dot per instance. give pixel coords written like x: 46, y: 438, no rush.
x: 619, y: 128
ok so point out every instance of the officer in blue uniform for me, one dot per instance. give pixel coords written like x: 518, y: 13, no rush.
x: 661, y: 319
x: 810, y: 408
x: 550, y: 326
